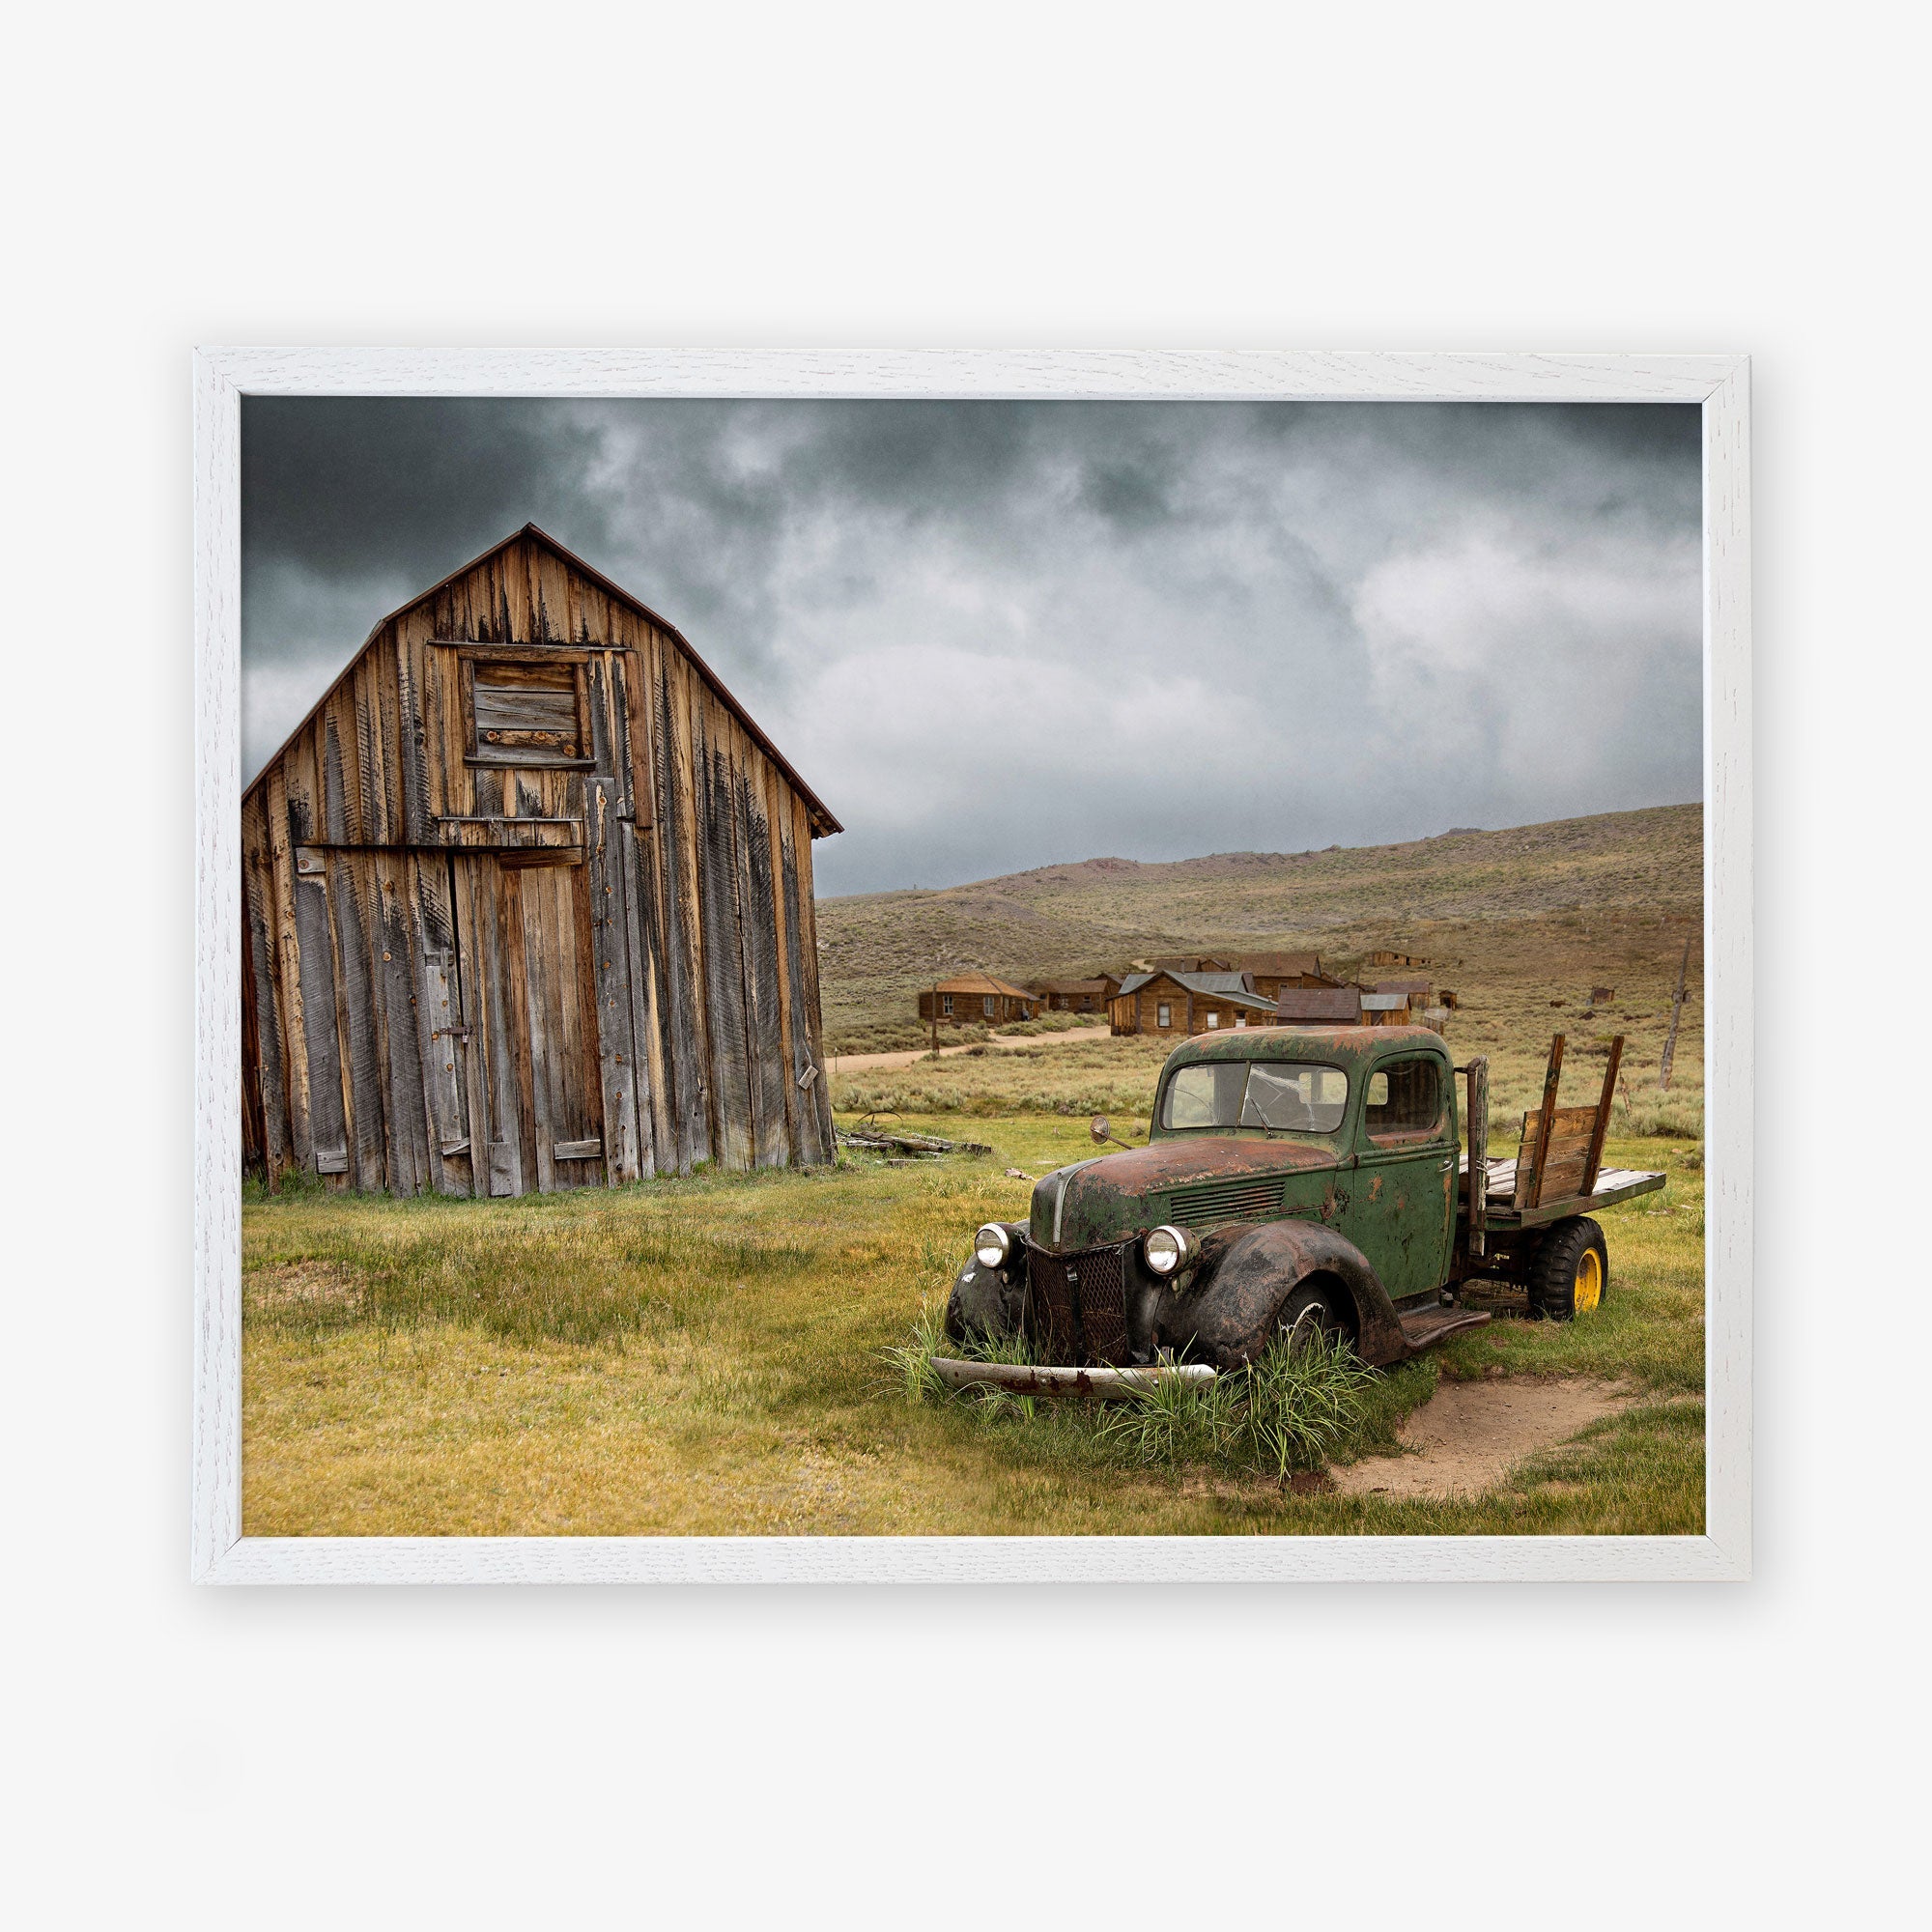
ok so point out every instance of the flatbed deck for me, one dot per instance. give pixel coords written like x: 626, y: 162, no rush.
x: 1613, y: 1184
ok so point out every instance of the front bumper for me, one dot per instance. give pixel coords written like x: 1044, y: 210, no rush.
x: 1103, y: 1384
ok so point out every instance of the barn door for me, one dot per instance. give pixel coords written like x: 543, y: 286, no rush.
x: 535, y: 1100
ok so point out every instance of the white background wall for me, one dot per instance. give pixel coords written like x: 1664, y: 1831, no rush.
x: 1674, y: 177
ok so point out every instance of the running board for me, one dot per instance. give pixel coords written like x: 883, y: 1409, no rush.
x: 1427, y: 1326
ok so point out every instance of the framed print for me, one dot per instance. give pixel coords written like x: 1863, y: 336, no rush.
x: 972, y: 966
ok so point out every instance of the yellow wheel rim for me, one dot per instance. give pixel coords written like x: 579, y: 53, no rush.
x: 1589, y: 1281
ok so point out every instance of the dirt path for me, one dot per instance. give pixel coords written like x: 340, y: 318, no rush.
x: 861, y: 1062
x: 1468, y: 1434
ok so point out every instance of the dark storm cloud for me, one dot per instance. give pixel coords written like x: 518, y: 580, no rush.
x: 997, y: 634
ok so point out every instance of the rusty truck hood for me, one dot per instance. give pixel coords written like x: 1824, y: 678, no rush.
x: 1103, y: 1200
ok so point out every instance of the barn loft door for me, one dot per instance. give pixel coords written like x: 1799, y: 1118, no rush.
x: 524, y: 934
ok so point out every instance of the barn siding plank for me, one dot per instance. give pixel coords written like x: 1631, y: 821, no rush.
x: 367, y: 826
x: 438, y: 1012
x: 723, y: 968
x: 314, y: 954
x: 786, y: 939
x: 565, y: 1022
x: 759, y: 940
x: 813, y: 1137
x: 522, y: 979
x: 357, y: 1020
x: 682, y: 1013
x: 597, y: 689
x: 288, y: 965
x: 408, y: 1101
x: 821, y: 1089
x: 270, y: 1072
x: 609, y: 945
x: 334, y: 796
x: 498, y: 948
x: 657, y: 1120
x: 420, y: 791
x: 474, y: 1006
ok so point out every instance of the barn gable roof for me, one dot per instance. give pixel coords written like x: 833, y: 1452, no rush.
x: 823, y: 823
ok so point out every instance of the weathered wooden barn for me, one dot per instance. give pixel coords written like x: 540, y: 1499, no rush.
x: 1177, y: 1003
x: 528, y: 904
x: 977, y: 999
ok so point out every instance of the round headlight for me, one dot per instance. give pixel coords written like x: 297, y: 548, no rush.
x: 991, y: 1245
x: 1167, y: 1249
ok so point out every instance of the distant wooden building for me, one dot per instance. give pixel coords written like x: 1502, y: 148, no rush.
x: 1415, y: 991
x: 1272, y: 972
x: 1602, y: 996
x: 1182, y: 1004
x: 528, y: 904
x: 1385, y: 1009
x: 1076, y: 996
x: 977, y: 999
x: 1319, y: 1005
x: 1384, y: 956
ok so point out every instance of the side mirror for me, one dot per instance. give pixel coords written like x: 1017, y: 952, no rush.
x: 1099, y: 1130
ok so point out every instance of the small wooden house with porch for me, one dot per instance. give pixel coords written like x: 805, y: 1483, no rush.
x: 1076, y: 996
x: 977, y: 999
x: 1177, y: 1004
x: 528, y: 904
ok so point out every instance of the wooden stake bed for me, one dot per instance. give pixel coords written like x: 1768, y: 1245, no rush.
x: 1613, y: 1184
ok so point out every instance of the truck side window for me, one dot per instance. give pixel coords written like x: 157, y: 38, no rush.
x: 1404, y: 1101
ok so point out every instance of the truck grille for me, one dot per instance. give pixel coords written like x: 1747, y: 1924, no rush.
x: 1215, y: 1200
x: 1079, y: 1306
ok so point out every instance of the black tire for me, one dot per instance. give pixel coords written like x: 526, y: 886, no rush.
x: 1318, y: 1307
x: 1571, y: 1275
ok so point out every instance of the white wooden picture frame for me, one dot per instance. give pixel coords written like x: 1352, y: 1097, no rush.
x: 1719, y: 384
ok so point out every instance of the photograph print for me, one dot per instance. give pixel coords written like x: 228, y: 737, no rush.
x: 972, y: 967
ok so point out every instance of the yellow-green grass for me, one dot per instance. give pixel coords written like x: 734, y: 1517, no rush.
x: 708, y: 1356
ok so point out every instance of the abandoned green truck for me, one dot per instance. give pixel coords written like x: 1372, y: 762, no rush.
x: 1294, y: 1180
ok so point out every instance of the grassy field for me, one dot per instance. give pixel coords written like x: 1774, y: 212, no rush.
x: 713, y: 1355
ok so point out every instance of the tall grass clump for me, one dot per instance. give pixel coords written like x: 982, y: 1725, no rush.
x: 1305, y: 1401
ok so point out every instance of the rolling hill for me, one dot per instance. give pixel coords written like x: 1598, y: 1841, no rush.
x: 1609, y: 898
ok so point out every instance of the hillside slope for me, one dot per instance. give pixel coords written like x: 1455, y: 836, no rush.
x: 1611, y: 896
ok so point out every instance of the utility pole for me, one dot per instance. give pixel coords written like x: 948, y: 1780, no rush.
x: 938, y: 970
x: 1676, y: 1014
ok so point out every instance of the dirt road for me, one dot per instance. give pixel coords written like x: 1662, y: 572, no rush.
x: 860, y: 1063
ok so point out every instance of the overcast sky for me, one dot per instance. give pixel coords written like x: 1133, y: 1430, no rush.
x: 993, y: 636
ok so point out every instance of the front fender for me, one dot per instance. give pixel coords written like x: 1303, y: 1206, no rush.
x: 1227, y: 1316
x: 988, y: 1304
